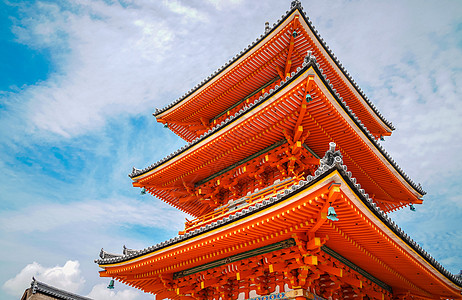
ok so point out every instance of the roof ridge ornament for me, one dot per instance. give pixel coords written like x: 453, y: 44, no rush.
x: 127, y: 251
x: 296, y: 4
x: 34, y: 285
x: 267, y: 27
x: 103, y: 254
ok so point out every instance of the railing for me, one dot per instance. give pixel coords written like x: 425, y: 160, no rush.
x: 240, y: 204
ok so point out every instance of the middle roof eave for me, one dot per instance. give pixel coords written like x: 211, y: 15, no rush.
x: 138, y: 175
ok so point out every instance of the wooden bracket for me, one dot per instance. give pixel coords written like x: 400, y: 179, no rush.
x: 331, y: 270
x: 334, y: 191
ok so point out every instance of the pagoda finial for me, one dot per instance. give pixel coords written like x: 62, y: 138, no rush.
x: 295, y: 4
x: 267, y: 27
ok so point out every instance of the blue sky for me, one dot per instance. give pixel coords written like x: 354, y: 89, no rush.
x: 80, y: 79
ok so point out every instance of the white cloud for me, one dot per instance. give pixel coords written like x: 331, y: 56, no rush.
x: 100, y: 291
x: 107, y: 213
x: 407, y: 62
x: 67, y: 278
x: 187, y: 12
x: 222, y: 4
x: 155, y: 36
x: 106, y: 58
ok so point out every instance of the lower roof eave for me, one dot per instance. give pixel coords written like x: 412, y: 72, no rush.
x: 335, y: 173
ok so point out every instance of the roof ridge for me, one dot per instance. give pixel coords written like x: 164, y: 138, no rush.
x: 37, y: 286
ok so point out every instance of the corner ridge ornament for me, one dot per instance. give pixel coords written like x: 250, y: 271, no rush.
x: 331, y: 158
x: 309, y: 57
x: 134, y: 172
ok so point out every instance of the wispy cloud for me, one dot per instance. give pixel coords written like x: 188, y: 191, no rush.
x: 84, y: 94
x: 185, y: 11
x: 99, y: 214
x: 107, y: 56
x: 224, y: 4
x: 67, y: 277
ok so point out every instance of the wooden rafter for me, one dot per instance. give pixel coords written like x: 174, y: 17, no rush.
x: 294, y: 27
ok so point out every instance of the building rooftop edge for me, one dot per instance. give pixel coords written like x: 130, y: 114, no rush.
x: 37, y: 286
x: 310, y: 61
x: 296, y: 5
x: 323, y: 170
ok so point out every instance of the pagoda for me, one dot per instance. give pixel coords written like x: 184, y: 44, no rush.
x: 287, y: 185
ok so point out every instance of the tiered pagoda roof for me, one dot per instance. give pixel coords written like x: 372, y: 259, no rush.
x: 276, y: 107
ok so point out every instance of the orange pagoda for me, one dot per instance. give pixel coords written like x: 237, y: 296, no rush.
x: 287, y: 185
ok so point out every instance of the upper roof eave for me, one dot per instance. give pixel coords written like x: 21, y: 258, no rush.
x: 159, y: 113
x: 295, y: 6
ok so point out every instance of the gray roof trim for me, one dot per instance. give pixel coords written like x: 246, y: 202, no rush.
x: 295, y: 5
x: 40, y: 287
x: 345, y: 72
x: 331, y: 162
